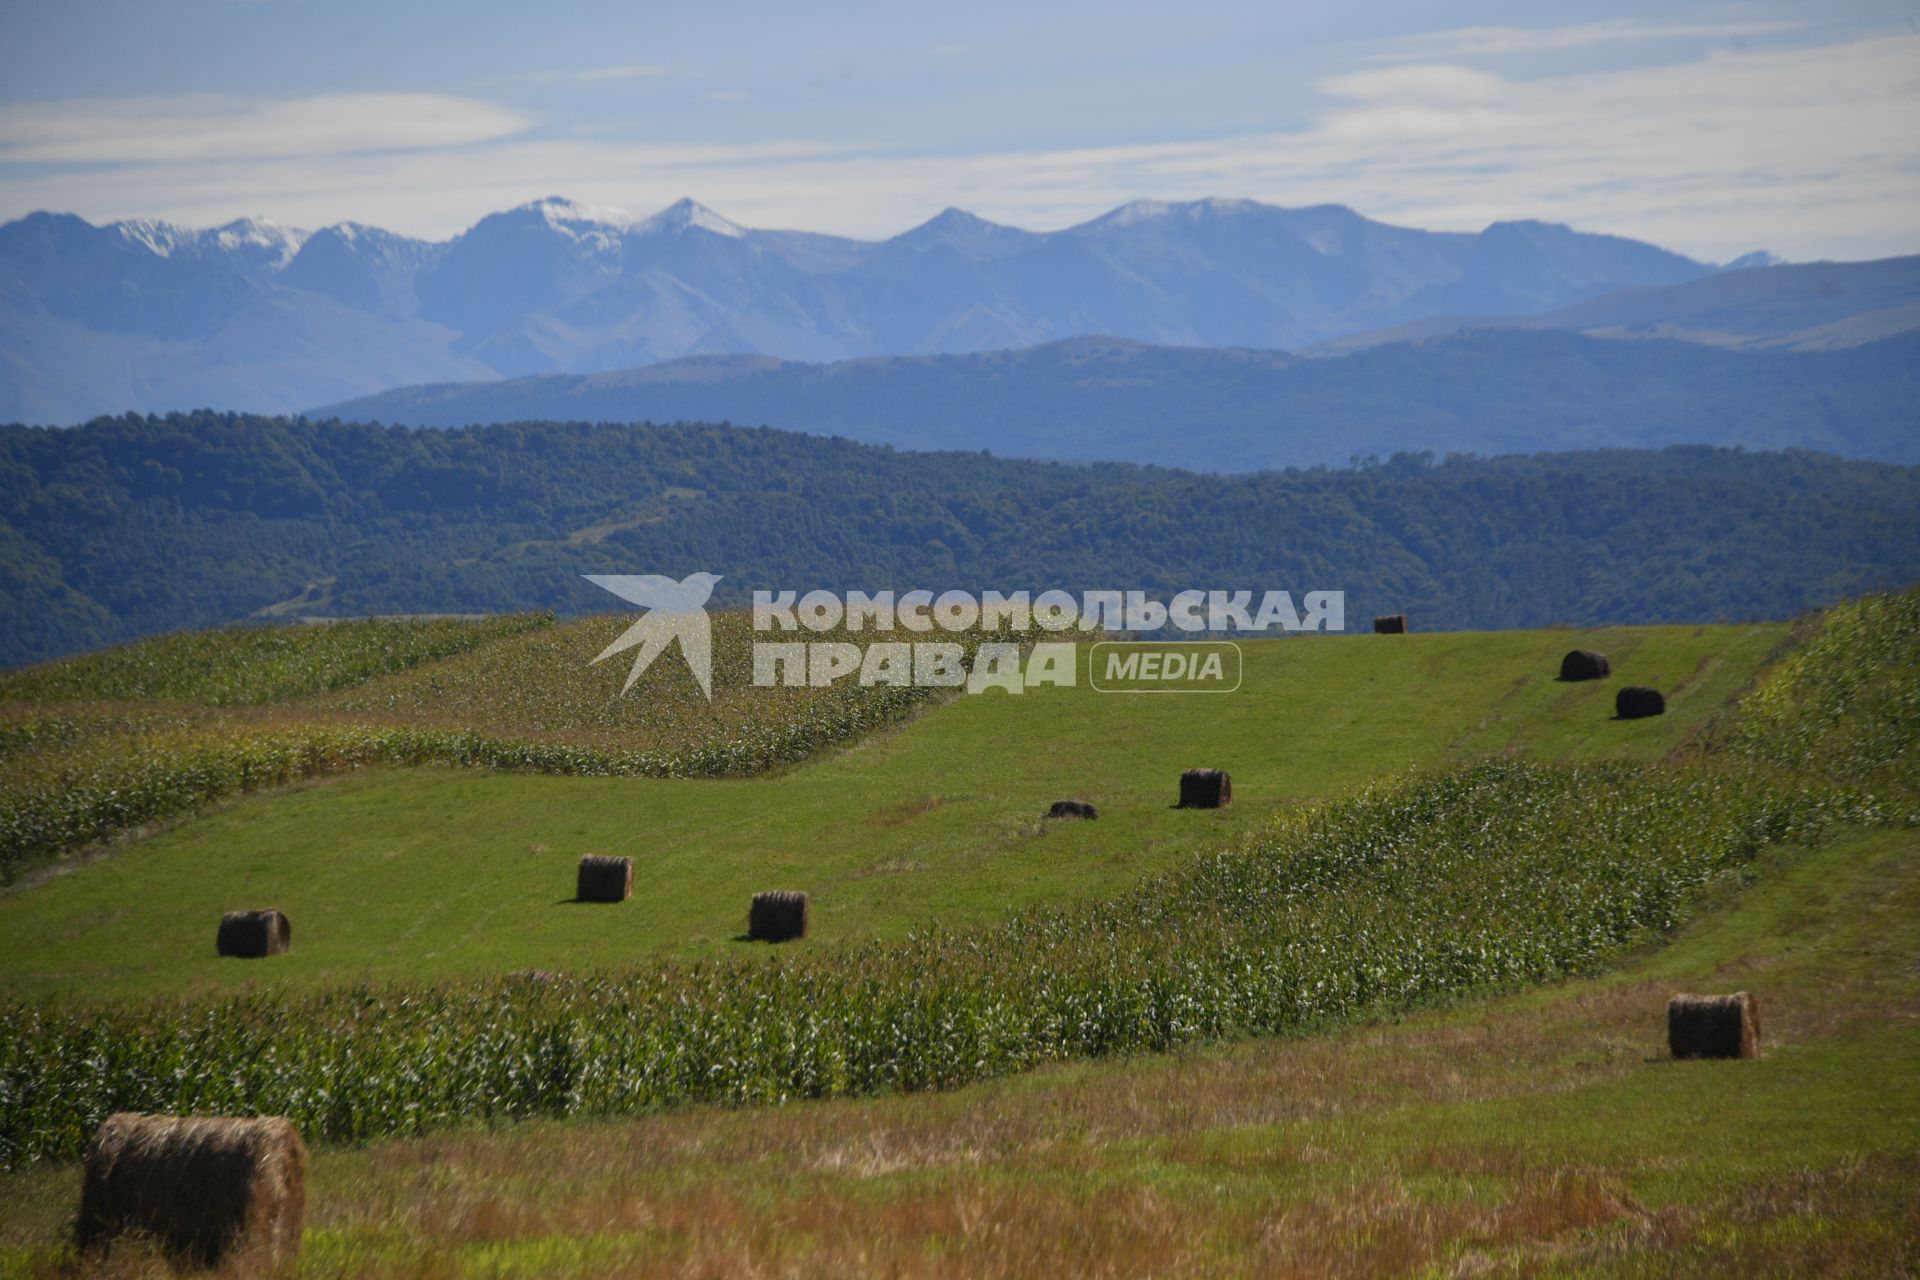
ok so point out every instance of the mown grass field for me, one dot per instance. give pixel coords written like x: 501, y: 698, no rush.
x: 1461, y: 974
x: 424, y: 874
x: 1541, y: 1133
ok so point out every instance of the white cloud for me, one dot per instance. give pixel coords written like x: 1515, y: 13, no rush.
x: 1481, y: 42
x: 205, y: 127
x: 594, y: 75
x: 1809, y: 151
x: 1420, y: 82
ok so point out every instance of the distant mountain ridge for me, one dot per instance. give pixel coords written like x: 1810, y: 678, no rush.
x: 1808, y: 306
x: 1211, y: 409
x: 148, y: 316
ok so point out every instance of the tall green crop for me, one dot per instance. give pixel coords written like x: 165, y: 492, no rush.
x: 1479, y: 879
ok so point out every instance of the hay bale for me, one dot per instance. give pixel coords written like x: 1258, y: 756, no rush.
x: 210, y: 1191
x: 1390, y: 624
x: 1206, y: 789
x: 253, y: 935
x: 1585, y: 664
x: 1713, y: 1026
x: 604, y: 879
x: 1072, y: 809
x: 1635, y: 702
x: 778, y: 915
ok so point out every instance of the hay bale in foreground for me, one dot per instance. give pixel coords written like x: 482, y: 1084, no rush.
x: 1072, y: 809
x: 210, y: 1191
x: 604, y: 879
x: 253, y: 935
x: 1636, y: 702
x: 1713, y: 1026
x: 1390, y: 624
x: 1585, y: 664
x: 778, y: 915
x: 1206, y: 789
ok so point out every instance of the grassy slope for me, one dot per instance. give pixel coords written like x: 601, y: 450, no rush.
x: 1541, y: 1131
x: 435, y: 873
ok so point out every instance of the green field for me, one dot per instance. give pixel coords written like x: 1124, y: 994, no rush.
x: 1398, y: 1011
x: 1544, y: 1132
x: 425, y: 874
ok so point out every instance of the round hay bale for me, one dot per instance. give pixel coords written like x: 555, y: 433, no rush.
x: 1713, y: 1026
x: 1206, y: 789
x: 1390, y: 624
x: 779, y: 915
x: 1072, y: 809
x: 604, y: 879
x: 254, y: 935
x: 1636, y: 702
x: 1585, y: 664
x: 210, y: 1191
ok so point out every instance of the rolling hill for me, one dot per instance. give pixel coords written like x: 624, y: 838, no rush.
x: 1424, y: 1009
x: 1110, y: 399
x: 131, y: 526
x: 917, y: 825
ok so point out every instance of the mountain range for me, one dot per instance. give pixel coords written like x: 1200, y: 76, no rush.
x: 1492, y: 391
x: 147, y: 316
x: 1811, y: 306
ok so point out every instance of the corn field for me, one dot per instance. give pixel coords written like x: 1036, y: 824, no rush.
x: 518, y: 695
x: 1414, y: 893
x: 1476, y: 880
x: 241, y: 666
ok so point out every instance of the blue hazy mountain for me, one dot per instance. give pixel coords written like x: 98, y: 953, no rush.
x: 1224, y: 409
x: 1754, y: 304
x: 148, y: 316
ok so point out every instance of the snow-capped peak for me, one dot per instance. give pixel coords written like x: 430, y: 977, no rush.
x: 685, y: 213
x: 1135, y: 212
x: 954, y: 220
x: 1139, y: 211
x: 161, y: 238
x: 281, y: 243
x: 267, y: 243
x: 573, y: 215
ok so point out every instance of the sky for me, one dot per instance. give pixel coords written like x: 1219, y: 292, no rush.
x: 1714, y: 129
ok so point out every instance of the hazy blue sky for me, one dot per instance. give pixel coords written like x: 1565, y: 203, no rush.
x: 1711, y: 128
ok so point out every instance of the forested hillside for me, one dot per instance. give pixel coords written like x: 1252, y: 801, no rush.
x: 134, y: 525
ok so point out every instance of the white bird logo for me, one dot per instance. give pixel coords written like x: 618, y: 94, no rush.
x: 675, y: 610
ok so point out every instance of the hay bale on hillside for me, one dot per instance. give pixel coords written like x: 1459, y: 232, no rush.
x: 1713, y: 1026
x: 1390, y: 624
x: 778, y: 915
x: 1585, y: 664
x: 604, y: 879
x: 210, y: 1191
x: 1072, y: 809
x: 1635, y: 702
x: 253, y: 935
x: 1206, y: 789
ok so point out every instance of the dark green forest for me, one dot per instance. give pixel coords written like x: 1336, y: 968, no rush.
x: 133, y: 525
